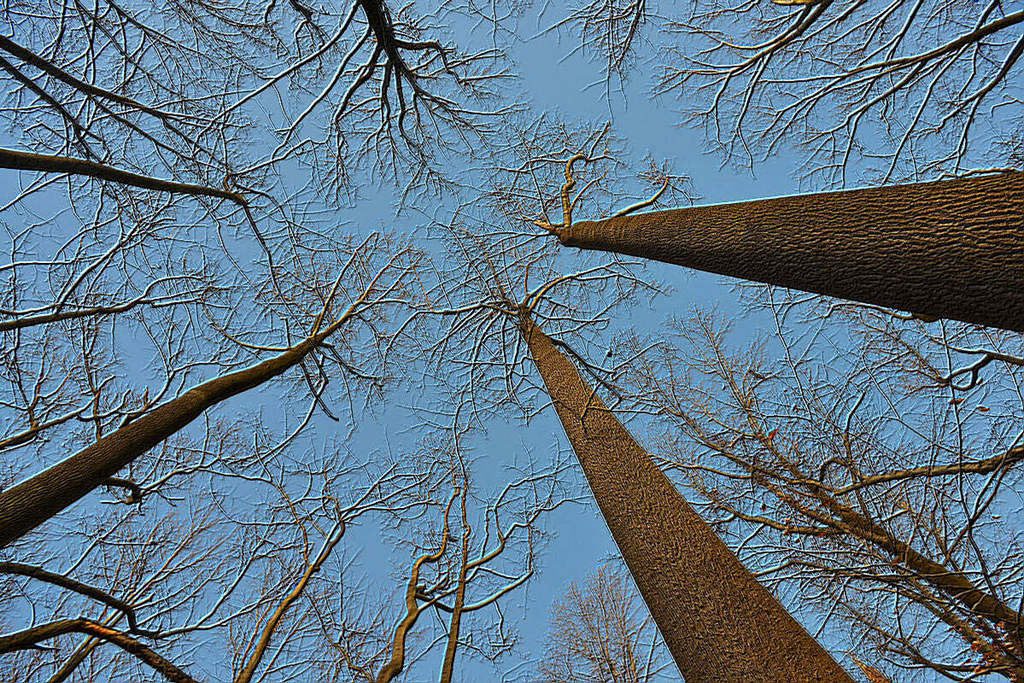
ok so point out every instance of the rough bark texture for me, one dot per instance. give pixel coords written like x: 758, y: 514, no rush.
x: 947, y: 249
x: 33, y: 501
x: 719, y: 623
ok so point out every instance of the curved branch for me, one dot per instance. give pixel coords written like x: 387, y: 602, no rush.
x: 413, y: 608
x: 1008, y: 459
x: 27, y: 639
x: 261, y: 646
x: 29, y: 57
x: 644, y: 204
x: 63, y: 581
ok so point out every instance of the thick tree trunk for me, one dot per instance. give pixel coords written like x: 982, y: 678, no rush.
x: 946, y: 249
x: 30, y: 503
x: 718, y: 621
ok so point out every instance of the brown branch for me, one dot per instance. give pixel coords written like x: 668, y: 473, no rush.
x: 952, y: 46
x: 34, y: 429
x: 264, y: 641
x: 46, y: 318
x: 28, y: 504
x: 412, y: 606
x: 457, y: 609
x: 1008, y: 459
x: 27, y: 639
x: 63, y: 581
x: 45, y: 163
x: 29, y: 57
x: 952, y: 583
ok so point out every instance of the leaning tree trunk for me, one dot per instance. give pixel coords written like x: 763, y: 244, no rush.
x: 30, y: 503
x: 719, y: 623
x: 946, y: 249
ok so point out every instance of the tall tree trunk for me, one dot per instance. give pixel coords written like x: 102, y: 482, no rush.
x: 946, y: 249
x: 30, y: 503
x: 455, y: 623
x: 719, y: 623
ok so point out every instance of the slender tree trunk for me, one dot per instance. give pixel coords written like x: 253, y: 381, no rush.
x: 30, y: 503
x: 413, y: 609
x: 946, y: 249
x: 30, y: 161
x: 719, y: 623
x: 260, y: 649
x: 455, y: 623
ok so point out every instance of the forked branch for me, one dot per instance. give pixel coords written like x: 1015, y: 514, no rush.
x: 568, y: 203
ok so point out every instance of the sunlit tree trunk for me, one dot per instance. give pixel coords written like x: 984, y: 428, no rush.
x: 396, y: 663
x: 946, y: 249
x: 719, y: 623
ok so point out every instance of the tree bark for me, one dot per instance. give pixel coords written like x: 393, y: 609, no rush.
x: 30, y: 503
x: 945, y: 249
x: 719, y: 623
x: 30, y: 161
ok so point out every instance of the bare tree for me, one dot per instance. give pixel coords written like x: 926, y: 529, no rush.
x: 160, y: 248
x: 31, y: 502
x: 191, y: 91
x: 458, y: 577
x: 158, y: 211
x: 873, y: 478
x: 266, y: 586
x: 717, y: 620
x: 906, y: 89
x: 175, y: 223
x: 223, y: 578
x: 600, y: 632
x: 947, y: 249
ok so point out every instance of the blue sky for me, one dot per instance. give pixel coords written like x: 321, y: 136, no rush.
x: 552, y: 81
x: 553, y: 77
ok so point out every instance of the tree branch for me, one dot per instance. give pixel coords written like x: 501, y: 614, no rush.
x: 27, y: 639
